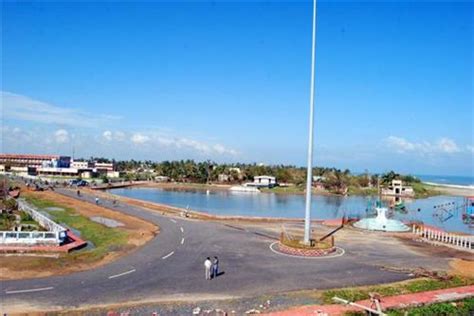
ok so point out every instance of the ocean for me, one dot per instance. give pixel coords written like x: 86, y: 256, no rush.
x: 448, y: 180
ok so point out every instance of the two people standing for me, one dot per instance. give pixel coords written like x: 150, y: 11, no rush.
x: 211, y: 268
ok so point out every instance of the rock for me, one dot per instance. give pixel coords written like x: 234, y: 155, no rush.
x: 220, y: 312
x: 252, y: 311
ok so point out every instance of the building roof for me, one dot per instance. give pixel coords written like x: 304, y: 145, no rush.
x: 25, y: 156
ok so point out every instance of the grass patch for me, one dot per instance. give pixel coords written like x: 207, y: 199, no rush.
x: 415, y: 286
x: 459, y: 308
x: 105, y: 239
x: 423, y: 190
x: 294, y: 189
x: 356, y: 190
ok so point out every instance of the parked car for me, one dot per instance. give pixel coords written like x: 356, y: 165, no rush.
x: 79, y: 182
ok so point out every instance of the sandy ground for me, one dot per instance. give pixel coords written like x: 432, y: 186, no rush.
x: 463, y: 267
x: 454, y: 191
x: 20, y: 267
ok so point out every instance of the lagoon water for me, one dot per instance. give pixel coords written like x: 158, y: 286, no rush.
x: 292, y: 206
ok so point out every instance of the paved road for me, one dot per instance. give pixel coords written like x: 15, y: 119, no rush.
x: 171, y: 266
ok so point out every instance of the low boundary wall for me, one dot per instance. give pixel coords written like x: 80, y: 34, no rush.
x: 55, y: 234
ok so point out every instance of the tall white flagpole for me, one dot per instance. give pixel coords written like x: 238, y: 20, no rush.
x: 309, y: 173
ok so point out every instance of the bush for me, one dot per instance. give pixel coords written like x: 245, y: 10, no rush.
x: 25, y: 217
x: 10, y: 204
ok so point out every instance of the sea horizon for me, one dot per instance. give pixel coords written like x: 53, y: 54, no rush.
x: 464, y: 181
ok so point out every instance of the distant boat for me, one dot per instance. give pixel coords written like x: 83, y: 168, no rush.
x: 241, y: 188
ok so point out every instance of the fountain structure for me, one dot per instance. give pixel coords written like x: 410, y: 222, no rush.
x: 381, y: 222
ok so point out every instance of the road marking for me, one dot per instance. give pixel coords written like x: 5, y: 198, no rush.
x: 121, y: 274
x: 168, y: 255
x: 30, y: 290
x: 173, y: 220
x: 182, y: 241
x: 182, y: 230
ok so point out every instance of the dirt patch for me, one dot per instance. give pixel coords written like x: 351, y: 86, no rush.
x: 462, y: 267
x: 137, y: 230
x: 435, y: 251
x: 106, y: 221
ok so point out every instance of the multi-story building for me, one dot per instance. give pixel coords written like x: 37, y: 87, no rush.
x: 54, y: 165
x: 19, y: 160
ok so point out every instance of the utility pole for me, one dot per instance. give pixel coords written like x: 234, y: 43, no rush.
x: 309, y: 173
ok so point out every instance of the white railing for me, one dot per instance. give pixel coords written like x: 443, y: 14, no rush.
x: 463, y: 242
x: 29, y: 238
x: 43, y: 220
x: 54, y: 235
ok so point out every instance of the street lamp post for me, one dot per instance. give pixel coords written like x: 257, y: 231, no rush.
x: 309, y: 173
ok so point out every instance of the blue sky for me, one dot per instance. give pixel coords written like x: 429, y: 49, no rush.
x: 229, y: 81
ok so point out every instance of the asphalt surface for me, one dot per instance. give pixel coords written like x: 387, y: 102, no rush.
x: 171, y: 267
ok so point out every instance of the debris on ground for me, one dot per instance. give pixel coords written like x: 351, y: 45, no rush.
x: 421, y: 272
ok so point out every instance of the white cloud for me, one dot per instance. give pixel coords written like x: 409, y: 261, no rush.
x: 138, y: 138
x: 19, y: 107
x: 107, y: 135
x: 61, y: 136
x: 470, y: 148
x: 201, y: 147
x: 447, y: 145
x: 401, y: 145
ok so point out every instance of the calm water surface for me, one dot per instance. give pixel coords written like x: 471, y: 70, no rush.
x: 292, y: 206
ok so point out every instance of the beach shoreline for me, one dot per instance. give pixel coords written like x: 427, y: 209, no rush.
x: 452, y: 189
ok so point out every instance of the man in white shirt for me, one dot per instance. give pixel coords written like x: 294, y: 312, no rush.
x: 207, y: 267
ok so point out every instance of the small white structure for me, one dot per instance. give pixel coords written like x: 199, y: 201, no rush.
x: 162, y: 179
x: 113, y: 174
x: 397, y: 189
x: 263, y: 182
x: 79, y: 164
x: 222, y: 177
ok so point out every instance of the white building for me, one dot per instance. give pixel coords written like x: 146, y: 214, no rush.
x: 398, y: 189
x: 162, y: 179
x: 80, y: 164
x: 60, y: 172
x: 263, y: 181
x: 104, y: 166
x: 222, y: 177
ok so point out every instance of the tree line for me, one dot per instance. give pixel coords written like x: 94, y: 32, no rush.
x: 209, y: 171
